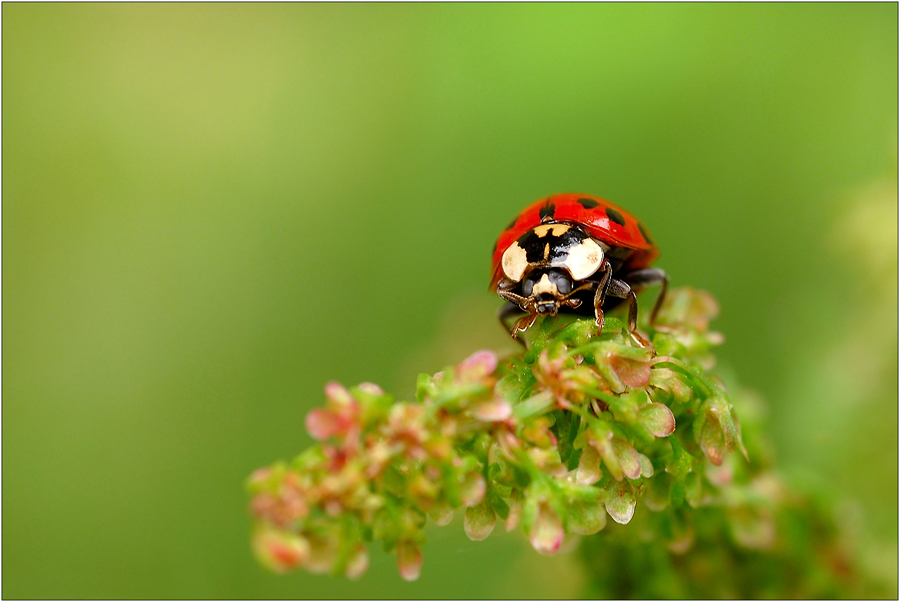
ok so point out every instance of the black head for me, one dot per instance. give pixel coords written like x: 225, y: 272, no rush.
x: 547, y: 289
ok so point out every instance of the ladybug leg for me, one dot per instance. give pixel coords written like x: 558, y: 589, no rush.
x: 573, y: 302
x: 507, y: 311
x: 516, y: 303
x: 524, y: 323
x: 651, y: 277
x: 620, y: 289
x: 600, y: 294
x: 523, y: 303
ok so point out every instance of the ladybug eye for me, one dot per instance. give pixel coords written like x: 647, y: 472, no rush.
x: 527, y: 287
x: 563, y: 283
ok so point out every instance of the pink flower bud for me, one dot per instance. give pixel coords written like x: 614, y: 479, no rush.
x: 409, y: 560
x: 646, y: 466
x: 509, y: 440
x: 264, y: 505
x: 657, y: 419
x: 280, y: 551
x: 259, y: 476
x: 473, y: 489
x: 477, y: 366
x: 379, y: 453
x: 336, y: 393
x: 322, y: 424
x: 712, y: 442
x: 480, y: 521
x: 629, y: 460
x: 602, y: 442
x: 547, y: 532
x: 719, y: 431
x: 720, y: 475
x: 515, y: 514
x: 588, y: 471
x: 358, y: 562
x: 494, y: 410
x: 370, y: 388
x: 633, y: 372
x: 668, y: 380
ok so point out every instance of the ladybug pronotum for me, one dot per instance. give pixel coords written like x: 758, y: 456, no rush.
x: 574, y: 252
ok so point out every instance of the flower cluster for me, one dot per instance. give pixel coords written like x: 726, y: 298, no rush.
x: 577, y: 427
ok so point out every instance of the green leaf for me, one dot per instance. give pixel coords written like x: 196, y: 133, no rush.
x: 425, y: 387
x: 566, y: 430
x: 535, y: 405
x: 499, y: 504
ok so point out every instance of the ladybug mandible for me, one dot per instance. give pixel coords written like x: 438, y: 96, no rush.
x: 571, y: 251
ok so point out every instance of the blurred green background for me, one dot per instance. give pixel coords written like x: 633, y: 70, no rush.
x: 210, y: 210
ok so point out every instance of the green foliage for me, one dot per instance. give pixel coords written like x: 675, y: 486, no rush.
x: 577, y: 427
x: 760, y: 541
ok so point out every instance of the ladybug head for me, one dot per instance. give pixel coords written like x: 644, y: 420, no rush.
x: 547, y: 289
x: 550, y: 262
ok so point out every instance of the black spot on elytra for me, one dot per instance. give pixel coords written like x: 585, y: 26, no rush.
x: 615, y: 216
x: 547, y: 212
x: 587, y: 203
x: 512, y: 223
x: 644, y: 233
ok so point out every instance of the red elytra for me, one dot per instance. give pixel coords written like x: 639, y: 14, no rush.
x: 626, y: 233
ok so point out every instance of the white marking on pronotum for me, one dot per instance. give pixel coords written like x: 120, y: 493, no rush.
x: 553, y: 229
x: 515, y: 261
x: 583, y: 259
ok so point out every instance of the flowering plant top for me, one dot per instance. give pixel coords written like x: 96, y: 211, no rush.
x: 576, y: 428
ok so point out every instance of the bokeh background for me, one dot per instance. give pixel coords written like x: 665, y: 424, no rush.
x: 210, y: 210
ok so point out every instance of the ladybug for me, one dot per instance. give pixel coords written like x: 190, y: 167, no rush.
x: 574, y: 252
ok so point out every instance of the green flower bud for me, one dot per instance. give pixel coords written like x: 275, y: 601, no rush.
x: 479, y: 521
x: 441, y: 514
x: 621, y: 503
x: 586, y: 518
x: 657, y: 419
